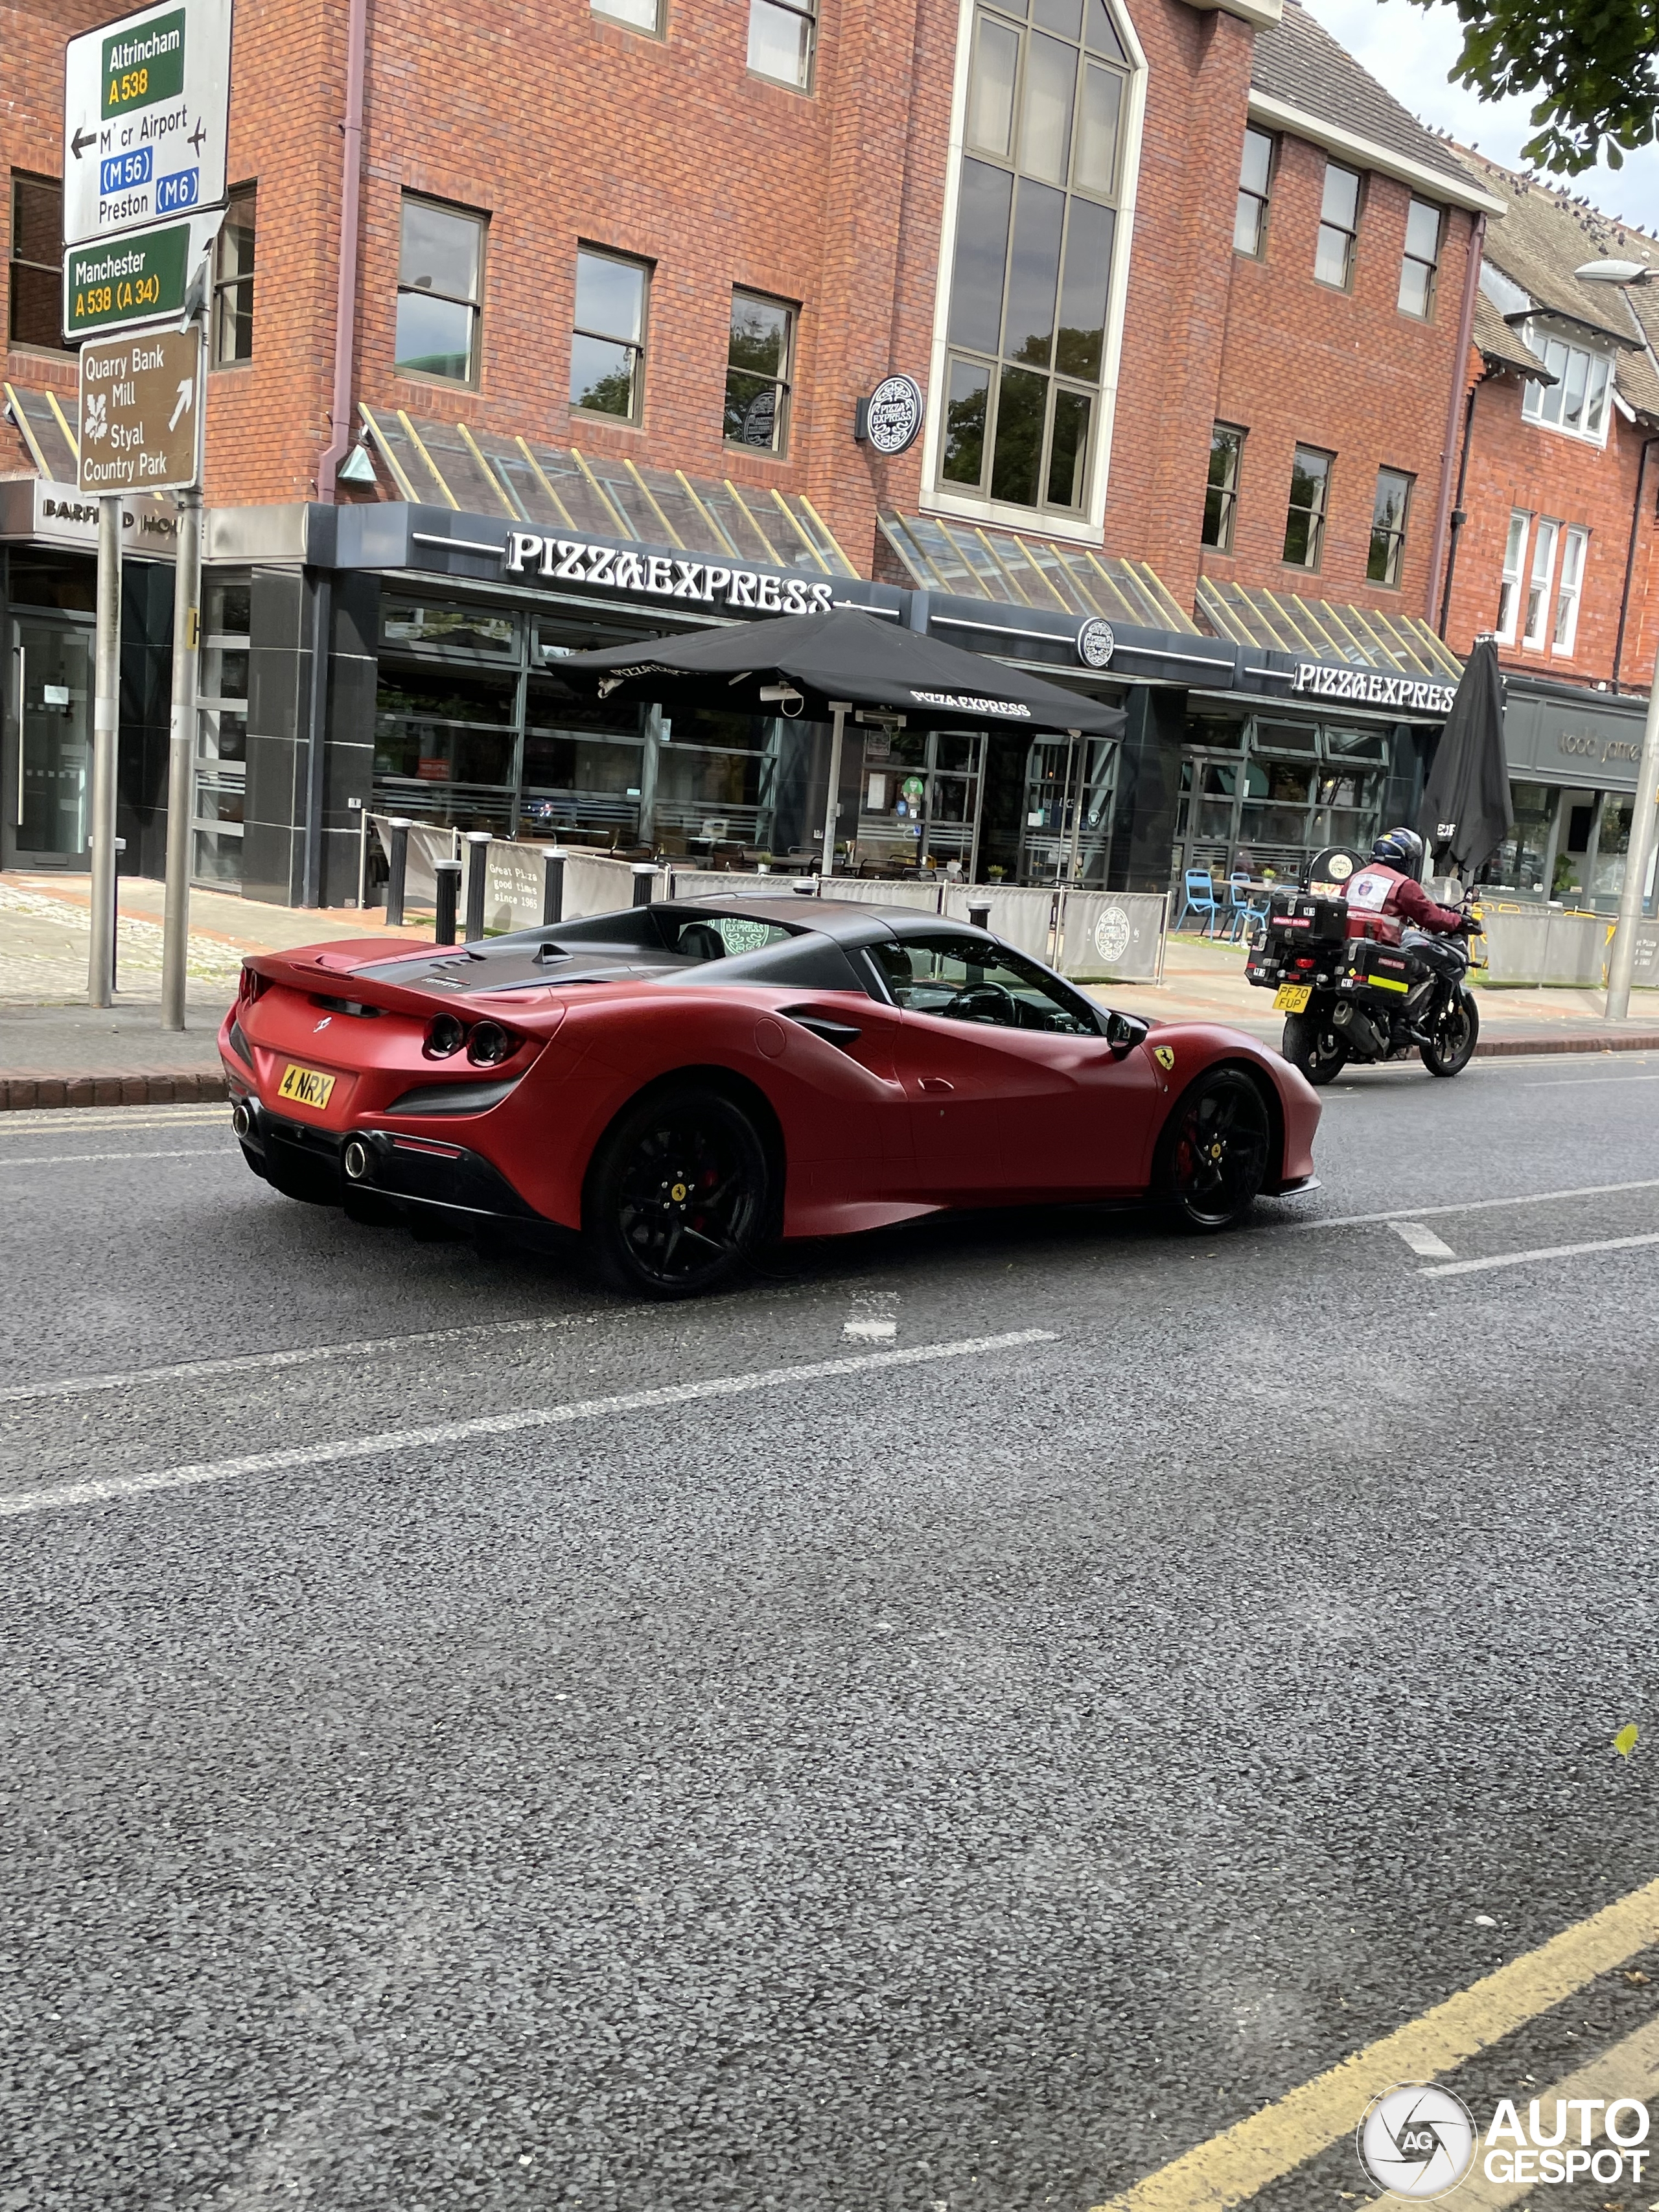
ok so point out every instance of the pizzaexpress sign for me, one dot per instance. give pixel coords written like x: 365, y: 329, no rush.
x: 655, y: 575
x: 1368, y: 687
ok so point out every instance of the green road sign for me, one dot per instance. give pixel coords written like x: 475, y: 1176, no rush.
x: 143, y: 66
x: 137, y: 279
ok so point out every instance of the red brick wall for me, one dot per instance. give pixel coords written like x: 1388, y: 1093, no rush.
x: 1347, y: 372
x: 1513, y: 463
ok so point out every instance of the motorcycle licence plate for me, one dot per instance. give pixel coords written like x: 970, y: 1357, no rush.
x: 1292, y: 998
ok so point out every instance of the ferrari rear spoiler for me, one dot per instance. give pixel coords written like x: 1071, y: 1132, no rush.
x: 341, y: 971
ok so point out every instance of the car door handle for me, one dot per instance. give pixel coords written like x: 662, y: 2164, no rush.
x: 935, y: 1083
x: 843, y: 1034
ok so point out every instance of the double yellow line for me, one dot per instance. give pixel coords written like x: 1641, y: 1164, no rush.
x: 1235, y: 2165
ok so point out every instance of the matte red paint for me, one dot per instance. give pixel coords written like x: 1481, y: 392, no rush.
x: 921, y: 1113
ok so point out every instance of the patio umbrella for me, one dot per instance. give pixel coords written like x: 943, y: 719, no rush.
x: 1466, y: 813
x: 821, y: 667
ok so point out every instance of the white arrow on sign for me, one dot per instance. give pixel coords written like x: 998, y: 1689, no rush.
x: 183, y: 402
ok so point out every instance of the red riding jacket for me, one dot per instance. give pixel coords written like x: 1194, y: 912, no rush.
x: 1381, y: 901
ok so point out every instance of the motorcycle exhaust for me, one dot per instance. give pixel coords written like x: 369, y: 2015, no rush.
x: 1359, y: 1029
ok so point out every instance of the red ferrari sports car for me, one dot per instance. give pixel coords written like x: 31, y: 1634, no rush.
x: 682, y: 1082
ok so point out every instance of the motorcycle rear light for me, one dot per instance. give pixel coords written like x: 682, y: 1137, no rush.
x: 445, y: 1037
x: 1304, y: 964
x: 490, y: 1044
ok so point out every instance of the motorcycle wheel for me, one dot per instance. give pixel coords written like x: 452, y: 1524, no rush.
x: 1453, y: 1032
x: 1313, y: 1046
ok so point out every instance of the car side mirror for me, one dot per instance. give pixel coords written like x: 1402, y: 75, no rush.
x: 1124, y: 1033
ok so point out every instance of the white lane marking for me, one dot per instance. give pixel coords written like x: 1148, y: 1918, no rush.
x: 245, y: 1362
x: 1566, y: 1082
x: 119, y: 1487
x: 1542, y: 1252
x: 1422, y: 1241
x: 873, y: 1319
x: 88, y: 1159
x: 1473, y: 1205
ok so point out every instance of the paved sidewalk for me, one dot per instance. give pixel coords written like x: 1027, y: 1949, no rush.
x: 55, y: 1050
x: 1204, y: 980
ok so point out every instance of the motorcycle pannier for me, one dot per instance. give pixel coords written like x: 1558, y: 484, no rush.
x: 1383, y: 971
x: 1321, y: 920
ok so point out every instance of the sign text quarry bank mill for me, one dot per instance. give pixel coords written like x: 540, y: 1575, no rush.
x: 140, y: 411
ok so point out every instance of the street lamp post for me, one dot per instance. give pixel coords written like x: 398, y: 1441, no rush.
x: 1622, y: 963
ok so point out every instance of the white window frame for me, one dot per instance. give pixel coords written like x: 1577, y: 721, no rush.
x: 1546, y: 539
x: 1569, y: 590
x: 1537, y: 396
x: 1509, y: 592
x: 936, y: 497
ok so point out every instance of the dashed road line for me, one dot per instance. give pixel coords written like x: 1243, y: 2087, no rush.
x: 1422, y: 1241
x: 112, y: 1488
x: 248, y: 1362
x: 1238, y: 2163
x: 873, y: 1319
x: 1541, y: 1251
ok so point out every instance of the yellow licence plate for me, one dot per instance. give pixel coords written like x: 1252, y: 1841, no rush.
x: 1288, y: 999
x: 307, y: 1086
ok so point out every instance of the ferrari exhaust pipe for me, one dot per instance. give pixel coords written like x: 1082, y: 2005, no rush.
x: 241, y: 1120
x: 355, y: 1159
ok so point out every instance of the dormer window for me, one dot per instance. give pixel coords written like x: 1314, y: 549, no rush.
x: 1577, y: 401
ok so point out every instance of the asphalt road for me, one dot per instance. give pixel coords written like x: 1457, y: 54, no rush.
x: 943, y: 1776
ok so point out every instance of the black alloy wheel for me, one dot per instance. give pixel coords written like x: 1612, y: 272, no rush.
x: 1452, y: 1031
x: 677, y: 1197
x: 1213, y: 1152
x: 1313, y: 1045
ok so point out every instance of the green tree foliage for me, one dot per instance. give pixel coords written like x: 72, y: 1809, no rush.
x: 1588, y: 64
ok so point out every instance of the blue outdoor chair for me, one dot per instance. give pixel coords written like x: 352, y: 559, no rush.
x: 1243, y: 903
x: 1199, y: 899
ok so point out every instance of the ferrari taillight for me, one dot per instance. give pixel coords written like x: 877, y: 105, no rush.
x: 250, y: 986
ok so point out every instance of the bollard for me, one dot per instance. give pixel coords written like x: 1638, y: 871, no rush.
x: 645, y: 878
x: 448, y: 873
x: 553, y: 886
x: 399, y: 864
x: 979, y: 914
x: 477, y: 883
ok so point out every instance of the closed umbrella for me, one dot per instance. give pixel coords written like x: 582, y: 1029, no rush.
x: 1466, y: 813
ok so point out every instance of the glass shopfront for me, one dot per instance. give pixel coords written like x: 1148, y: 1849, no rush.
x: 1569, y: 844
x: 1266, y: 792
x: 221, y: 784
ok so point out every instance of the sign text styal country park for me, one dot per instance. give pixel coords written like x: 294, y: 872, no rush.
x: 141, y: 408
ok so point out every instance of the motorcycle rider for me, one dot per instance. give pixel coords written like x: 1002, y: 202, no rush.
x: 1385, y: 895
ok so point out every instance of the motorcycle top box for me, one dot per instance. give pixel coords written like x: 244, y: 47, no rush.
x: 1322, y: 920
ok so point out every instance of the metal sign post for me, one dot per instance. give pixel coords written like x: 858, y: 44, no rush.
x: 146, y: 119
x: 105, y: 728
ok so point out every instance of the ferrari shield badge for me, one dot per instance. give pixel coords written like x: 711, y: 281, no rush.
x: 1164, y: 1055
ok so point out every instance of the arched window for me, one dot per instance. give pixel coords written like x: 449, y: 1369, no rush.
x: 1045, y: 154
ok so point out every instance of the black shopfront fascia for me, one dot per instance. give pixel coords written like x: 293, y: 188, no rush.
x: 366, y: 619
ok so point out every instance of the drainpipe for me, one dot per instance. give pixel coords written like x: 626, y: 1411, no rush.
x: 345, y: 306
x: 1648, y: 445
x: 1465, y: 334
x: 1459, y: 513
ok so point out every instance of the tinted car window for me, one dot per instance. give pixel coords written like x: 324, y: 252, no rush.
x: 712, y: 936
x: 965, y: 981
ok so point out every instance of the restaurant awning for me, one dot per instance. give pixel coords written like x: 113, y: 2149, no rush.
x: 1284, y: 621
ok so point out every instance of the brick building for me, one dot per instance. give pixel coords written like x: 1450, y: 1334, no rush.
x: 1188, y: 294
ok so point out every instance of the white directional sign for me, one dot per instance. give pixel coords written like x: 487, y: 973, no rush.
x: 146, y: 104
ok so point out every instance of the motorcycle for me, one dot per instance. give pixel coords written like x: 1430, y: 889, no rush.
x: 1353, y: 998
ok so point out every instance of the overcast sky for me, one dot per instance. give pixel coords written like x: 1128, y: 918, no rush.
x: 1411, y: 50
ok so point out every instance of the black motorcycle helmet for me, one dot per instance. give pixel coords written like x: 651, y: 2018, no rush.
x: 1402, y: 849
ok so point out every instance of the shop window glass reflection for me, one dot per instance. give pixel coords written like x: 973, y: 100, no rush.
x: 1518, y: 863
